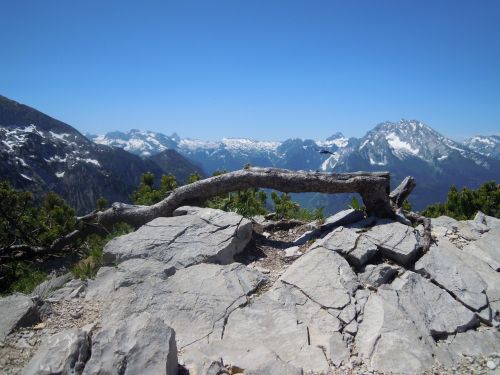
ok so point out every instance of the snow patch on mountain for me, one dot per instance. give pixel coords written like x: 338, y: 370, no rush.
x: 400, y: 146
x: 488, y: 145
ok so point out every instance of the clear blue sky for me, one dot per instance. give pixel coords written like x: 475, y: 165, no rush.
x: 260, y: 69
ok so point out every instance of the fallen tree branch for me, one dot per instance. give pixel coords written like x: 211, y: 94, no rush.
x: 426, y: 222
x: 373, y: 188
x: 398, y: 195
x: 60, y: 245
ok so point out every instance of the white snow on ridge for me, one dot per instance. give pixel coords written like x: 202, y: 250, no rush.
x: 373, y: 162
x: 233, y: 144
x: 249, y: 145
x: 23, y: 163
x: 102, y: 140
x: 364, y: 144
x: 400, y: 146
x: 330, y: 162
x: 339, y: 142
x: 193, y: 144
x: 59, y: 136
x: 89, y: 161
x: 60, y: 174
x: 26, y: 177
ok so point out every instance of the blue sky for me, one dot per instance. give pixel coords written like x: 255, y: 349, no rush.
x: 258, y: 69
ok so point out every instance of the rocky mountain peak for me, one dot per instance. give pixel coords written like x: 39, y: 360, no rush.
x: 488, y: 145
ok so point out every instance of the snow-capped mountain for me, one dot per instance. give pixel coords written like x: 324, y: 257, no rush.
x: 142, y: 143
x: 41, y: 154
x: 402, y: 148
x: 233, y: 153
x: 412, y: 148
x: 488, y: 145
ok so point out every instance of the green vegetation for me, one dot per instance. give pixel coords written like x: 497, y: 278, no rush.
x: 23, y: 222
x: 355, y: 205
x: 193, y: 178
x: 285, y: 208
x: 248, y: 202
x: 20, y: 277
x: 464, y: 204
x: 146, y: 193
x: 101, y: 204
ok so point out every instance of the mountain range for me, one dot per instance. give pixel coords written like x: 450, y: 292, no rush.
x: 406, y: 147
x: 40, y: 154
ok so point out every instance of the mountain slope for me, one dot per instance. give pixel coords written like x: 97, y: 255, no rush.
x: 231, y: 153
x: 402, y: 148
x: 170, y: 161
x: 488, y: 145
x: 41, y: 154
x: 412, y: 148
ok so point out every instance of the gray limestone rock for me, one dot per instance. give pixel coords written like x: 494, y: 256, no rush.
x: 432, y: 308
x: 443, y: 265
x: 201, y: 235
x: 380, y: 342
x: 276, y: 367
x: 400, y: 323
x: 377, y: 275
x: 356, y: 247
x: 342, y: 218
x: 139, y: 344
x: 339, y: 352
x: 489, y: 221
x: 63, y: 353
x: 487, y: 248
x: 295, y: 319
x: 323, y: 276
x: 17, y: 310
x: 45, y: 289
x: 397, y: 241
x: 473, y: 343
x: 72, y: 289
x: 194, y: 301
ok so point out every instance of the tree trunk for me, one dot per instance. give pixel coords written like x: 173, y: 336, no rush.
x: 373, y: 188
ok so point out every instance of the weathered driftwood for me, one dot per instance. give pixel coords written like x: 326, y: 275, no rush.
x: 373, y: 188
x: 426, y: 223
x: 398, y: 195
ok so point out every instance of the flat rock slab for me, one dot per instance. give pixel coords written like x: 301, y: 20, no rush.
x: 63, y: 353
x: 443, y: 265
x: 401, y: 322
x: 486, y: 248
x: 356, y: 247
x: 194, y: 301
x: 16, y: 311
x: 397, y: 241
x: 324, y: 276
x: 473, y: 343
x: 298, y: 319
x: 139, y: 344
x: 377, y: 275
x: 201, y: 235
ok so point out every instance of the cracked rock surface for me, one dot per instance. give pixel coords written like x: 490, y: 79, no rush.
x: 201, y: 290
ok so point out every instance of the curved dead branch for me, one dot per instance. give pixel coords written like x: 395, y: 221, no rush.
x: 373, y: 188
